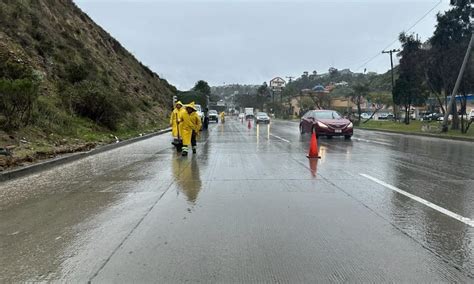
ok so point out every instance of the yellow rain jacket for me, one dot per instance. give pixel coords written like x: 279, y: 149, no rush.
x: 175, y: 119
x: 190, y: 122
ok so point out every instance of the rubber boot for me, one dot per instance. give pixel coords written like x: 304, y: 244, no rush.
x: 185, y: 151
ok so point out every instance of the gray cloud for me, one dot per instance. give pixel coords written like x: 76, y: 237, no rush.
x: 253, y: 41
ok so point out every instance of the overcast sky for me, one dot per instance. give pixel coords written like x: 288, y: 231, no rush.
x: 248, y: 42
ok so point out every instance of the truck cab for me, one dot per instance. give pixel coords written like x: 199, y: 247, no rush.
x: 249, y: 113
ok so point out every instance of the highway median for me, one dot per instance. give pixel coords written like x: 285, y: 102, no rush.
x: 419, y: 128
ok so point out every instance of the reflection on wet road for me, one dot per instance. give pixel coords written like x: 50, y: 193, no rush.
x: 248, y: 207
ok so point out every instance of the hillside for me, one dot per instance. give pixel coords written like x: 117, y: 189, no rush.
x: 377, y: 82
x: 67, y: 84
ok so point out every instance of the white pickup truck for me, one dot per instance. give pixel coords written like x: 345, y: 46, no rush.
x: 199, y: 112
x: 249, y: 113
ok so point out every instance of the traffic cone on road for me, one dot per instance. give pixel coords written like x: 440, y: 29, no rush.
x: 313, y: 147
x: 249, y: 125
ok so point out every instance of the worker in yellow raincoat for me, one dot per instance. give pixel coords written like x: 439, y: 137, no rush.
x: 191, y: 125
x: 175, y: 123
x: 222, y: 115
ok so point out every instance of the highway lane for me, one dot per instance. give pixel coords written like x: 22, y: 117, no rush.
x: 248, y: 207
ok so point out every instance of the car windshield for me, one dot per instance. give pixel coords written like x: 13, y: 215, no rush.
x: 213, y: 112
x: 326, y: 115
x: 198, y: 107
x: 261, y: 114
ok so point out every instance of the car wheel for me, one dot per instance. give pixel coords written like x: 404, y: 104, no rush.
x: 347, y: 137
x: 301, y: 129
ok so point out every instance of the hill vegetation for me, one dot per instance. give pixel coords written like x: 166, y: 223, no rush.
x: 66, y: 83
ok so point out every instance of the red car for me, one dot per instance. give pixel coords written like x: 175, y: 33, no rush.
x: 326, y: 122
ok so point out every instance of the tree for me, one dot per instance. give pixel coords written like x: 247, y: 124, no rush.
x: 193, y: 96
x: 359, y: 92
x: 322, y: 100
x: 447, y: 47
x: 333, y: 72
x: 250, y: 100
x: 379, y: 101
x: 263, y: 90
x: 203, y: 87
x: 305, y: 104
x: 409, y: 88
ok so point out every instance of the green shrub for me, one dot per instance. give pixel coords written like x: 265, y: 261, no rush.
x: 76, y: 73
x: 51, y: 118
x: 12, y: 68
x: 17, y: 99
x: 92, y: 100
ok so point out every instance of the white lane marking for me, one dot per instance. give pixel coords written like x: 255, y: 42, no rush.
x: 451, y: 214
x: 282, y: 139
x: 372, y: 141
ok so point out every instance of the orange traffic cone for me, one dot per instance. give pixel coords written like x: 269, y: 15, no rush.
x: 313, y: 147
x: 249, y: 125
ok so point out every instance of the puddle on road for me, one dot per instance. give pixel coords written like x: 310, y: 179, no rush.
x: 188, y: 178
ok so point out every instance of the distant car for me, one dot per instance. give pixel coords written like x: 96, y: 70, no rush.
x: 365, y: 115
x: 262, y: 117
x: 425, y: 116
x: 431, y: 116
x: 385, y: 116
x: 441, y: 118
x: 213, y: 115
x: 326, y: 122
x: 471, y: 115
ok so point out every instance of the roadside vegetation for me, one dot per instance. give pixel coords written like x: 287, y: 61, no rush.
x: 416, y: 127
x: 66, y: 85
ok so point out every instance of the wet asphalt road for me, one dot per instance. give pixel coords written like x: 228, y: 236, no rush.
x: 249, y: 207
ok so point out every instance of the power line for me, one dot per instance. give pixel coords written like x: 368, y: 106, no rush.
x: 394, y: 41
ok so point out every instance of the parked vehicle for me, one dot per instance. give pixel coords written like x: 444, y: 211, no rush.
x: 213, y: 115
x: 262, y: 117
x: 471, y: 114
x: 441, y: 118
x: 431, y: 116
x: 199, y: 112
x: 326, y: 122
x: 385, y: 116
x: 365, y: 115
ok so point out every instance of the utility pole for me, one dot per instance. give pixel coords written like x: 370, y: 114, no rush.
x: 391, y: 62
x: 290, y: 78
x: 393, y: 80
x: 449, y: 108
